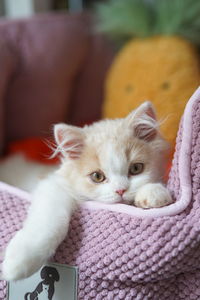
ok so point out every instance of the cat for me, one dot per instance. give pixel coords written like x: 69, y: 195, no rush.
x: 110, y: 161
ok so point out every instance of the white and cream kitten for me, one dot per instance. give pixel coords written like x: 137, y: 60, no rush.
x: 110, y: 161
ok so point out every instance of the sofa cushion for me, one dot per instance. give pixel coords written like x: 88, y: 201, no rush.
x: 8, y: 65
x: 50, y: 51
x: 86, y: 103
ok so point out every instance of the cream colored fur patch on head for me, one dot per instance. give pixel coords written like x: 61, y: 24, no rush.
x: 110, y: 147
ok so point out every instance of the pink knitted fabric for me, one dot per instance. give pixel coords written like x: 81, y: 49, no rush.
x: 121, y: 256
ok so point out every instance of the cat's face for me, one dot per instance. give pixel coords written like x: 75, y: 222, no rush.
x: 109, y: 160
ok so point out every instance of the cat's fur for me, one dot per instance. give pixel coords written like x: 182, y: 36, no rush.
x: 110, y: 146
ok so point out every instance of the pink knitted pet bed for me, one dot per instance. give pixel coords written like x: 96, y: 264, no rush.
x: 123, y: 252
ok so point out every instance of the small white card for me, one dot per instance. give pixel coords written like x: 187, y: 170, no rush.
x: 52, y: 282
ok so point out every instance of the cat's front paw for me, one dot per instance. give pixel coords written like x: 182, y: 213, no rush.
x: 152, y: 195
x: 20, y: 260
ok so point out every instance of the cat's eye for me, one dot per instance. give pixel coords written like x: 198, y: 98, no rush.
x: 136, y: 168
x: 97, y: 176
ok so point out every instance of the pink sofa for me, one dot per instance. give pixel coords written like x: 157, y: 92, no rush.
x: 52, y: 70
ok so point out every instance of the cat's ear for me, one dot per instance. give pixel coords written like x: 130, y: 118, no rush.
x: 143, y: 121
x: 69, y: 140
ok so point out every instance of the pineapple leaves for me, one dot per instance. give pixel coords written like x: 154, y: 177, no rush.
x: 180, y: 17
x: 125, y: 19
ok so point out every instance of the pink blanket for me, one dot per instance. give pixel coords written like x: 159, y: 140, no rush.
x: 124, y: 252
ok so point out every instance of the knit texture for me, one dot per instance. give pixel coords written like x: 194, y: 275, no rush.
x: 120, y: 256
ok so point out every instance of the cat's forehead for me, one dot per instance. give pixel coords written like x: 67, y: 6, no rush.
x: 106, y: 130
x: 111, y: 143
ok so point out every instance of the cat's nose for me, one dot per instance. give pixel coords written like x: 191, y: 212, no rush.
x: 120, y: 192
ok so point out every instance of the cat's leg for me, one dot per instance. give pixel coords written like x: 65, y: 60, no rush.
x: 152, y: 195
x: 44, y: 229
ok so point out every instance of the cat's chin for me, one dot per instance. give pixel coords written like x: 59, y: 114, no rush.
x: 125, y: 201
x: 117, y: 201
x: 110, y: 201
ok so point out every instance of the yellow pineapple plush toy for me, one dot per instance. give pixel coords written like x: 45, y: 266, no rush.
x: 159, y: 61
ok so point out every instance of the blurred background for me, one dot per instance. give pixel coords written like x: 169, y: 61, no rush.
x: 53, y: 64
x: 77, y: 61
x: 22, y: 8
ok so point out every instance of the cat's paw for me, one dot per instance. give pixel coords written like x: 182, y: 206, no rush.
x: 20, y: 260
x: 152, y: 195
